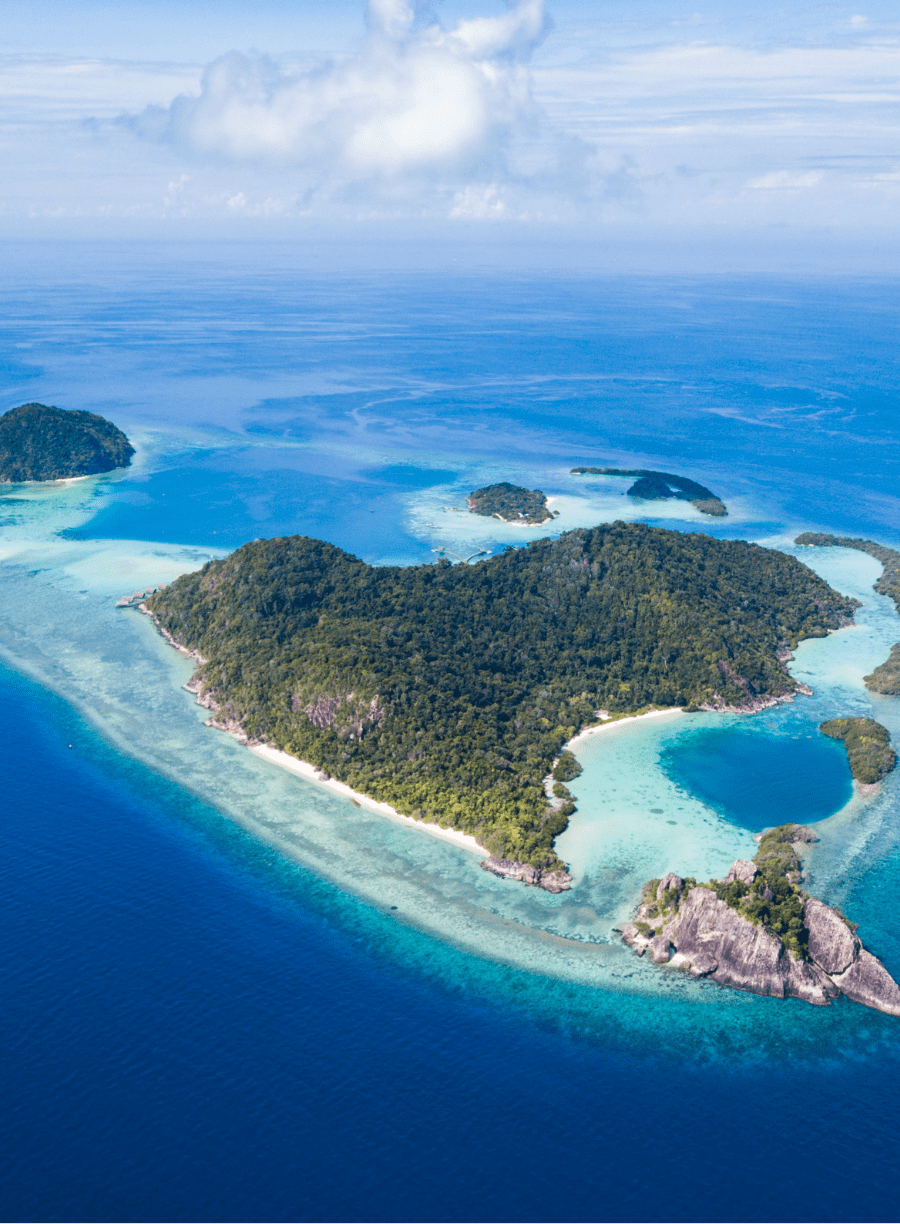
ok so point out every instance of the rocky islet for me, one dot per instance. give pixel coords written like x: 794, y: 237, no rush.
x: 715, y: 931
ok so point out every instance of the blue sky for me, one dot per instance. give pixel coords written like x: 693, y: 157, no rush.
x: 622, y: 124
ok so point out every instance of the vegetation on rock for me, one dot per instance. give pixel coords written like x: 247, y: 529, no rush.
x: 868, y: 745
x: 886, y: 676
x: 38, y: 442
x: 567, y: 768
x: 771, y: 898
x: 511, y: 503
x: 448, y: 691
x: 757, y: 930
x: 654, y: 486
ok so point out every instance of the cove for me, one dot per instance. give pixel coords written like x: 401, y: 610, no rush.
x: 757, y: 780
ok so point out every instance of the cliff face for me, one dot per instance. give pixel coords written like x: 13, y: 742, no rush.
x: 691, y: 928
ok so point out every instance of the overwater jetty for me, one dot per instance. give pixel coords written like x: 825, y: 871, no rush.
x: 136, y: 597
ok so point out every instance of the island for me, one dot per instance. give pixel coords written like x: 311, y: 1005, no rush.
x: 758, y: 930
x: 511, y: 504
x: 886, y: 677
x: 656, y: 486
x: 39, y: 442
x: 868, y: 747
x: 449, y: 691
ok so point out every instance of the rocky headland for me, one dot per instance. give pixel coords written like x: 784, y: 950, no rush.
x: 758, y: 931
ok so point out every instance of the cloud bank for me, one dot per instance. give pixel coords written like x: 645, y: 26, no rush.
x: 418, y: 99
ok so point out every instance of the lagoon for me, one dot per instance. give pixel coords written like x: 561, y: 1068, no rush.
x: 757, y: 780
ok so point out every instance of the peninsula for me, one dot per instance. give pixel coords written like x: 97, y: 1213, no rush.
x: 38, y: 442
x: 511, y: 504
x: 757, y: 930
x: 868, y: 746
x: 449, y: 691
x: 656, y: 486
x: 886, y: 677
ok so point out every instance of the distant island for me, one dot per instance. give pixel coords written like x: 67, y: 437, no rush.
x: 38, y: 442
x: 510, y: 503
x: 868, y: 746
x: 757, y: 930
x: 450, y: 691
x: 655, y: 486
x: 886, y: 677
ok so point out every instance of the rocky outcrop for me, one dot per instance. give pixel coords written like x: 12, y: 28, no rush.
x: 713, y: 940
x: 868, y: 982
x: 743, y: 870
x: 689, y: 926
x: 191, y: 654
x: 553, y: 881
x: 831, y: 942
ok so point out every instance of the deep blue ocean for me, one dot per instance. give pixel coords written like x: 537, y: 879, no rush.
x: 196, y: 1027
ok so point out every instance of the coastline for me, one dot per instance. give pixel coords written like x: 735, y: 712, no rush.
x: 611, y: 723
x: 312, y: 773
x: 304, y: 770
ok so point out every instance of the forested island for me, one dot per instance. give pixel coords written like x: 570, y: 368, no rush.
x: 758, y: 930
x: 510, y: 503
x: 449, y: 691
x: 868, y: 746
x: 40, y: 442
x: 654, y: 486
x: 886, y: 677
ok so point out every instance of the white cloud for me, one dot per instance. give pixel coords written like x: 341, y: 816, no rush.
x: 478, y: 203
x: 785, y: 180
x: 417, y: 99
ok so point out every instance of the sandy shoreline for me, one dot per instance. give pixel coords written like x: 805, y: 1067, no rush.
x: 312, y: 774
x: 304, y: 770
x: 612, y: 723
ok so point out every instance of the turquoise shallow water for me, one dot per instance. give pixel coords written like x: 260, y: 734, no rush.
x: 363, y: 414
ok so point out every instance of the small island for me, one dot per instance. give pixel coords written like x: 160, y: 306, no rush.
x: 39, y: 442
x: 886, y: 677
x: 657, y: 486
x: 511, y: 504
x: 757, y: 930
x: 868, y: 746
x: 449, y: 692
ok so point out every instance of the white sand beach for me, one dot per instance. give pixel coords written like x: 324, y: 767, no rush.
x: 304, y: 770
x: 612, y: 723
